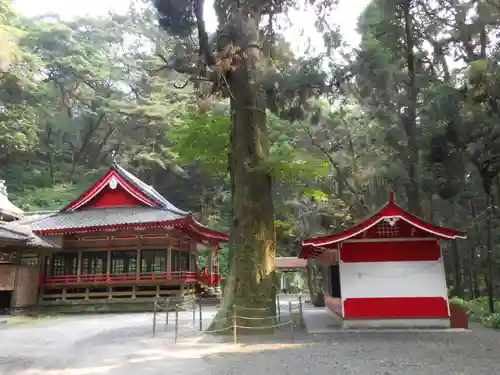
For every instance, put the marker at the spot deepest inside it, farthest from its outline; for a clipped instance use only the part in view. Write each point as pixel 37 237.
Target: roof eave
pixel 156 224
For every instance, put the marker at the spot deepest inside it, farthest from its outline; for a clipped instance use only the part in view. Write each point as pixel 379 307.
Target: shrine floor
pixel 123 344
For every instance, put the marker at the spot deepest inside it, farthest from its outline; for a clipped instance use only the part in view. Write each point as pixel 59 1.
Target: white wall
pixel 393 279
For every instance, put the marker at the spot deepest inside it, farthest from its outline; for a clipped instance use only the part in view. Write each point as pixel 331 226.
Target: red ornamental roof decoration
pixel 391 213
pixel 120 200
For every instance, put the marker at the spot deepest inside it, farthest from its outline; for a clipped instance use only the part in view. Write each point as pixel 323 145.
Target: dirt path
pixel 123 344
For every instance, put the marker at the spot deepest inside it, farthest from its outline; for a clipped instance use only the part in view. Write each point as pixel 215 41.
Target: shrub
pixel 492 320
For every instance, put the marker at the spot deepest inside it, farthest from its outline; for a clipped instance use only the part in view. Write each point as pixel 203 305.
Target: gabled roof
pixel 391 211
pixel 134 187
pixel 142 207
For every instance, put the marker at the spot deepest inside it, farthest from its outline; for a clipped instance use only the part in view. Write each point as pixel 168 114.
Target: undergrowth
pixel 478 310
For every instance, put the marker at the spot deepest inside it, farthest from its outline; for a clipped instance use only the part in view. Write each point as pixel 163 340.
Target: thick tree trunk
pixel 250 286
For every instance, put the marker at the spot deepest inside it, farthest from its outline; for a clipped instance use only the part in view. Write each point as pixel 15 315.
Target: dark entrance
pixel 335 281
pixel 5 301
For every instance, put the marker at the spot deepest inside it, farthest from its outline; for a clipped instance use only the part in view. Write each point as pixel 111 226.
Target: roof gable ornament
pixel 391 220
pixel 113 183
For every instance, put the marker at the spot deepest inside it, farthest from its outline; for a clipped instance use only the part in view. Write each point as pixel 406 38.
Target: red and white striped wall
pixel 402 279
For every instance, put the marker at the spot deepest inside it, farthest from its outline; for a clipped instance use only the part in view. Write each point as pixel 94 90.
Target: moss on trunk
pixel 250 285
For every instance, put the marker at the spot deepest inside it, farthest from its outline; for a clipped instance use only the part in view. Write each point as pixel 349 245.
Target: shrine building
pixel 122 241
pixel 387 271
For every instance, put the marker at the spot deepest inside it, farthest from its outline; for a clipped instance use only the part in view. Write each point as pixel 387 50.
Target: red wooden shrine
pixel 122 239
pixel 386 270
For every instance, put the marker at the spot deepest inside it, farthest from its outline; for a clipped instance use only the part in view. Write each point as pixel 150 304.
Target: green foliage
pixel 478 310
pixel 49 198
pixel 202 139
pixel 492 320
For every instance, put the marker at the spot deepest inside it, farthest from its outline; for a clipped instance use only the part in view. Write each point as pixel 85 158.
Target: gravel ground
pixel 123 344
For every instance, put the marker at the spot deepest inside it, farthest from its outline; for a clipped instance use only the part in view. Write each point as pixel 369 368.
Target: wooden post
pixel 169 263
pixel 235 335
pixel 292 324
pixel 79 265
pixel 301 312
pixel 138 264
pixel 201 315
pixel 108 266
pixel 176 323
pixel 15 295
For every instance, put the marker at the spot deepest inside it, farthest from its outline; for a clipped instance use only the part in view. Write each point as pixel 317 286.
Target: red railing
pixel 210 280
pixel 108 278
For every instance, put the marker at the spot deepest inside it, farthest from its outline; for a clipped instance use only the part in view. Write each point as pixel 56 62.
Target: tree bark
pixel 250 286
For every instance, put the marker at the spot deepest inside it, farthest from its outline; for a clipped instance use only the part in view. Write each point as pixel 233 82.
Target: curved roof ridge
pixel 149 190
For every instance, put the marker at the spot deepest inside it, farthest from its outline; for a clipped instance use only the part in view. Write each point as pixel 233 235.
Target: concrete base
pixel 396 323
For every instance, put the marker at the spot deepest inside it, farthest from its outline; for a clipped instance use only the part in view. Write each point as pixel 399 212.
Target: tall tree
pixel 238 62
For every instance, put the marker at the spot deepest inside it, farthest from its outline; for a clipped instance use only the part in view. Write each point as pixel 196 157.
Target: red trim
pixel 159 224
pixel 357 252
pixel 390 211
pixel 187 225
pixel 396 308
pixel 193 227
pixel 108 279
pixel 90 194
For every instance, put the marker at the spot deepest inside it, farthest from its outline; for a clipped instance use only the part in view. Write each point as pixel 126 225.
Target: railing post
pixel 201 315
pixel 292 324
pixel 235 335
pixel 176 323
pixel 167 307
pixel 278 307
pixel 301 313
pixel 194 311
pixel 154 317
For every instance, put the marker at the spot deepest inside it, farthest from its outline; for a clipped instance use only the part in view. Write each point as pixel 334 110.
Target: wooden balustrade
pixel 115 279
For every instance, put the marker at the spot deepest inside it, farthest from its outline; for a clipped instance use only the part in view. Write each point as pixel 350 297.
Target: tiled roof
pixel 7 234
pixel 14 232
pixel 148 190
pixel 101 217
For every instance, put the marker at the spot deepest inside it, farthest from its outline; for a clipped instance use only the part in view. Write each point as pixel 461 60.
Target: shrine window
pixel 94 262
pixel 192 263
pixel 184 261
pixel 176 259
pixel 64 264
pixel 153 261
pixel 123 262
pixel 180 261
